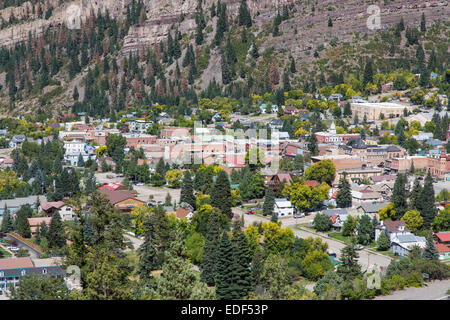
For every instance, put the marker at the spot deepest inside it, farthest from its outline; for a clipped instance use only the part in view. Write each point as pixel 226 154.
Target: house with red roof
pixel 36 222
pixel 443 244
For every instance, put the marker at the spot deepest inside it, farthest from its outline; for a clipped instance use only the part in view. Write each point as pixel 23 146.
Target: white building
pixel 283 207
pixel 76 147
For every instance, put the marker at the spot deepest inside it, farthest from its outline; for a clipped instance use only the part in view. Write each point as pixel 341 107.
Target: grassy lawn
pixel 4 253
pixel 302 225
pixel 339 236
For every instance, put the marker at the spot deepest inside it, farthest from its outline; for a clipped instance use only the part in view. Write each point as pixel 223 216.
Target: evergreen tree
pixel 274 217
pixel 423 24
pixel 399 196
pixel 269 202
pixel 224 270
pixel 364 229
pixel 330 22
pixel 425 203
pixel 414 196
pixel 208 264
pixel 347 110
pixel 148 260
pixel 7 221
pixel 344 196
pixel 22 226
pixel 221 194
pixel 187 189
pixel 80 162
pixel 349 268
pixel 292 67
pixel 168 200
pixel 244 17
pixel 430 252
pixel 368 73
pixel 241 263
pixel 313 147
pixel 56 235
pixel 383 243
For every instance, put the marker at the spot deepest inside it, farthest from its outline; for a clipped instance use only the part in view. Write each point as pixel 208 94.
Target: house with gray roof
pixel 371 208
pixel 14 204
pixel 403 244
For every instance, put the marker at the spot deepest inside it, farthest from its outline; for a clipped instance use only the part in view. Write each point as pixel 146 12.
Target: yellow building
pixel 372 111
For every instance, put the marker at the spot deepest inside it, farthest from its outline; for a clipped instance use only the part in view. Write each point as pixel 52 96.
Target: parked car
pixel 13 248
pixel 359 247
pixel 250 212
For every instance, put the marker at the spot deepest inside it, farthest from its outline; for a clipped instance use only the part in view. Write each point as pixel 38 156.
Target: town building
pixel 331 136
pixel 139 126
pixel 372 111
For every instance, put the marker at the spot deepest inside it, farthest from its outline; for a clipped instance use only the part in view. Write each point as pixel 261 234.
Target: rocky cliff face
pixel 29 21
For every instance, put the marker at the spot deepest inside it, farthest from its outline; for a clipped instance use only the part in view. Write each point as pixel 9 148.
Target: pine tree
pixel 274 217
pixel 22 226
pixel 330 22
pixel 344 196
pixel 255 53
pixel 423 24
pixel 168 200
pixel 414 196
pixel 364 229
pixel 430 252
pixel 349 268
pixel 269 202
pixel 7 221
pixel 313 147
pixel 399 196
pixel 80 162
pixel 368 73
pixel 224 270
pixel 148 260
pixel 208 264
pixel 56 235
pixel 221 194
pixel 241 264
pixel 425 203
pixel 187 189
pixel 244 17
pixel 292 67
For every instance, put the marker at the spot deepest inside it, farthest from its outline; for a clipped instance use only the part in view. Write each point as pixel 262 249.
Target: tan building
pixel 373 110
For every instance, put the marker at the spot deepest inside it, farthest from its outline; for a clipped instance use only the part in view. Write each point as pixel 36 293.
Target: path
pixel 434 290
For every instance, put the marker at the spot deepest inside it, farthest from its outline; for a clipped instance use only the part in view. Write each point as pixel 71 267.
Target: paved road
pixel 135 241
pixel 366 258
pixel 434 290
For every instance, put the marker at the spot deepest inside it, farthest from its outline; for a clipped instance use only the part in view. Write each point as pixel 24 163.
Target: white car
pixel 13 248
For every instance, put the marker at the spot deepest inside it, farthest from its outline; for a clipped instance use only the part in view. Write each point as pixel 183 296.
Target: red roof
pixel 49 205
pixel 335 194
pixel 111 186
pixel 443 236
pixel 311 183
pixel 333 218
pixel 441 248
pixel 13 263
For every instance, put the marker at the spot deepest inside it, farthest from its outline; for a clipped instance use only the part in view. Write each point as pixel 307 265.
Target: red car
pixel 250 212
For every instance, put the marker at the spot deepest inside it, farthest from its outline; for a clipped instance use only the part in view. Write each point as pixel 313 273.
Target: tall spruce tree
pixel 187 189
pixel 148 260
pixel 425 203
pixel 221 194
pixel 430 252
pixel 349 269
pixel 269 202
pixel 56 236
pixel 224 270
pixel 208 264
pixel 241 263
pixel 414 196
pixel 7 221
pixel 399 196
pixel 344 196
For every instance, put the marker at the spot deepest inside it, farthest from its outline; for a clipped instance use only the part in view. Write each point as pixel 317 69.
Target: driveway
pixel 366 258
